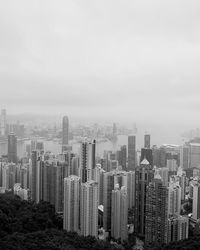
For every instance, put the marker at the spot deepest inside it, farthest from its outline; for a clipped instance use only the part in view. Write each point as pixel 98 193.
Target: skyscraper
pixel 97 175
pixel 12 148
pixel 194 155
pixel 65 132
pixel 60 174
pixel 132 162
pixel 89 208
pixel 196 201
pixel 143 176
pixel 177 228
pixel 146 153
pixel 174 199
pixel 87 160
pixel 110 180
pixel 156 212
pixel 3 122
pixel 122 157
pixel 34 162
pixel 119 216
pixel 71 213
pixel 184 157
pixel 131 188
pixel 147 141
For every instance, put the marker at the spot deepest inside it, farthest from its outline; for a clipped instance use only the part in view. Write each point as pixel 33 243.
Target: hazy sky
pixel 128 60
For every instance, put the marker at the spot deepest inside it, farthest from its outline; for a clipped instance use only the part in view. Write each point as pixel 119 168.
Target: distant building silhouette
pixel 12 148
pixel 132 162
pixel 3 122
pixel 65 132
pixel 147 141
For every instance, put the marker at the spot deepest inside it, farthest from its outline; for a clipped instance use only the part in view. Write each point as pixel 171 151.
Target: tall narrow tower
pixel 87 160
pixel 89 208
pixel 65 132
pixel 143 175
pixel 119 216
pixel 147 141
pixel 132 153
pixel 3 122
pixel 156 212
pixel 71 220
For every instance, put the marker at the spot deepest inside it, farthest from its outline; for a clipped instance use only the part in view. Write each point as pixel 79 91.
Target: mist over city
pixel 99 124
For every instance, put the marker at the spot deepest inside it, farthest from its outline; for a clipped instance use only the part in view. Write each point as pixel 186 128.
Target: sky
pixel 124 60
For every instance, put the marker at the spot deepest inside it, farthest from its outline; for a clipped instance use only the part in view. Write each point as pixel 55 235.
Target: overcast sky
pixel 130 59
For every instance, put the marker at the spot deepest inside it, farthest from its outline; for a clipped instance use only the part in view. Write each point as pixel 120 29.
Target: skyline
pixel 136 61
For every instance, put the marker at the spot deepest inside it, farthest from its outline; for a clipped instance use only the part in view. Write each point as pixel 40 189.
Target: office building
pixel 194 155
pixel 71 220
pixel 143 176
pixel 89 208
pixel 147 141
pixel 146 153
pixel 184 157
pixel 132 159
pixel 156 212
pixel 65 132
pixel 12 148
pixel 122 157
pixel 119 216
pixel 3 122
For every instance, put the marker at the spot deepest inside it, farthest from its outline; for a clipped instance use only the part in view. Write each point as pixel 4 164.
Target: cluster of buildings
pixel 97 194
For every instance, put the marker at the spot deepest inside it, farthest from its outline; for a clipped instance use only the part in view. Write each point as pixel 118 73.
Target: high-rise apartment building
pixel 110 180
pixel 34 163
pixel 164 172
pixel 196 201
pixel 87 160
pixel 119 216
pixel 174 198
pixel 131 188
pixel 60 175
pixel 178 227
pixel 71 221
pixel 156 212
pixel 97 175
pixel 132 159
pixel 12 148
pixel 89 208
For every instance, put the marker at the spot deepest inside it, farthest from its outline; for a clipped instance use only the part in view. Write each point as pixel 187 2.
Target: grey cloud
pixel 107 57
